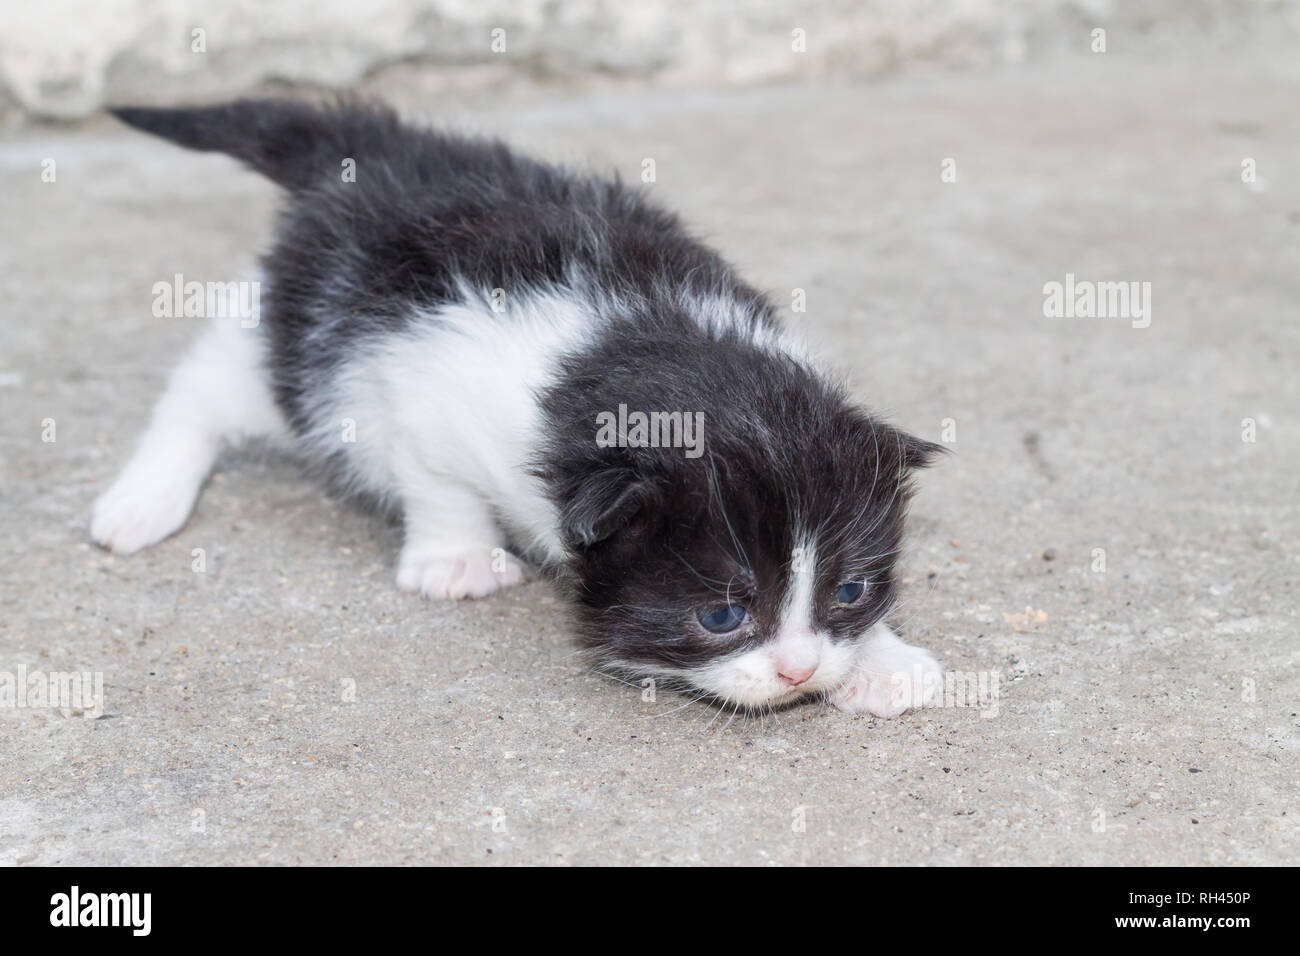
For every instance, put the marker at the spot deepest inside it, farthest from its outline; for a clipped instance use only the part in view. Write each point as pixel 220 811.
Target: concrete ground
pixel 1103 540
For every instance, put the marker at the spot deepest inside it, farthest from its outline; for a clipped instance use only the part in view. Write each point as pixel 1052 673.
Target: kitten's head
pixel 749 572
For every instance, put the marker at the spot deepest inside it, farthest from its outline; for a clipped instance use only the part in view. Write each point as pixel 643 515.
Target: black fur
pixel 426 211
pixel 653 536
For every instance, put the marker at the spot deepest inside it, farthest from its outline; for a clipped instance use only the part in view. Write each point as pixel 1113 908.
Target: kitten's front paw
pixel 470 574
pixel 891 680
pixel 134 514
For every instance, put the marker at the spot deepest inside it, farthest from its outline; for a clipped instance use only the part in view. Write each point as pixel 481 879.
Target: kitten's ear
pixel 917 452
pixel 604 503
pixel 908 450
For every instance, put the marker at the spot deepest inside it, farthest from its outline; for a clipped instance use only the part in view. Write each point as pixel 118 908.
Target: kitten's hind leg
pixel 453 548
pixel 219 393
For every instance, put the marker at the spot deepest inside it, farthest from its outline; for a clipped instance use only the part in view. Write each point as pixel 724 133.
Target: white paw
pixel 889 680
pixel 469 574
pixel 134 514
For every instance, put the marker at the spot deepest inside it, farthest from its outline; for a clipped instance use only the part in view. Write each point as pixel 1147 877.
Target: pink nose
pixel 794 676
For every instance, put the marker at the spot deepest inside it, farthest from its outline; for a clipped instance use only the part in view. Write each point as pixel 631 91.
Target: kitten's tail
pixel 291 143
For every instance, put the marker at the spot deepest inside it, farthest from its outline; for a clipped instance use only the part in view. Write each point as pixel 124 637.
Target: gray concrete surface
pixel 64 59
pixel 1148 712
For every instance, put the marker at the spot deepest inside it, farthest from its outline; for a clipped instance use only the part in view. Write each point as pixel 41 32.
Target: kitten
pixel 540 367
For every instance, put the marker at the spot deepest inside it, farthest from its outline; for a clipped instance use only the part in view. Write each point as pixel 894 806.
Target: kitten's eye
pixel 720 620
pixel 849 591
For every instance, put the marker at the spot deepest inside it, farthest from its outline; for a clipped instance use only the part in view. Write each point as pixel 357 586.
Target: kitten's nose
pixel 794 676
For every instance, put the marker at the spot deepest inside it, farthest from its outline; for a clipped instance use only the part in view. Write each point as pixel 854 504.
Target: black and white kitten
pixel 467 336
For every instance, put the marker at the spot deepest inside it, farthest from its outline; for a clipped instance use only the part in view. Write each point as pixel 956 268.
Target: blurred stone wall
pixel 63 59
